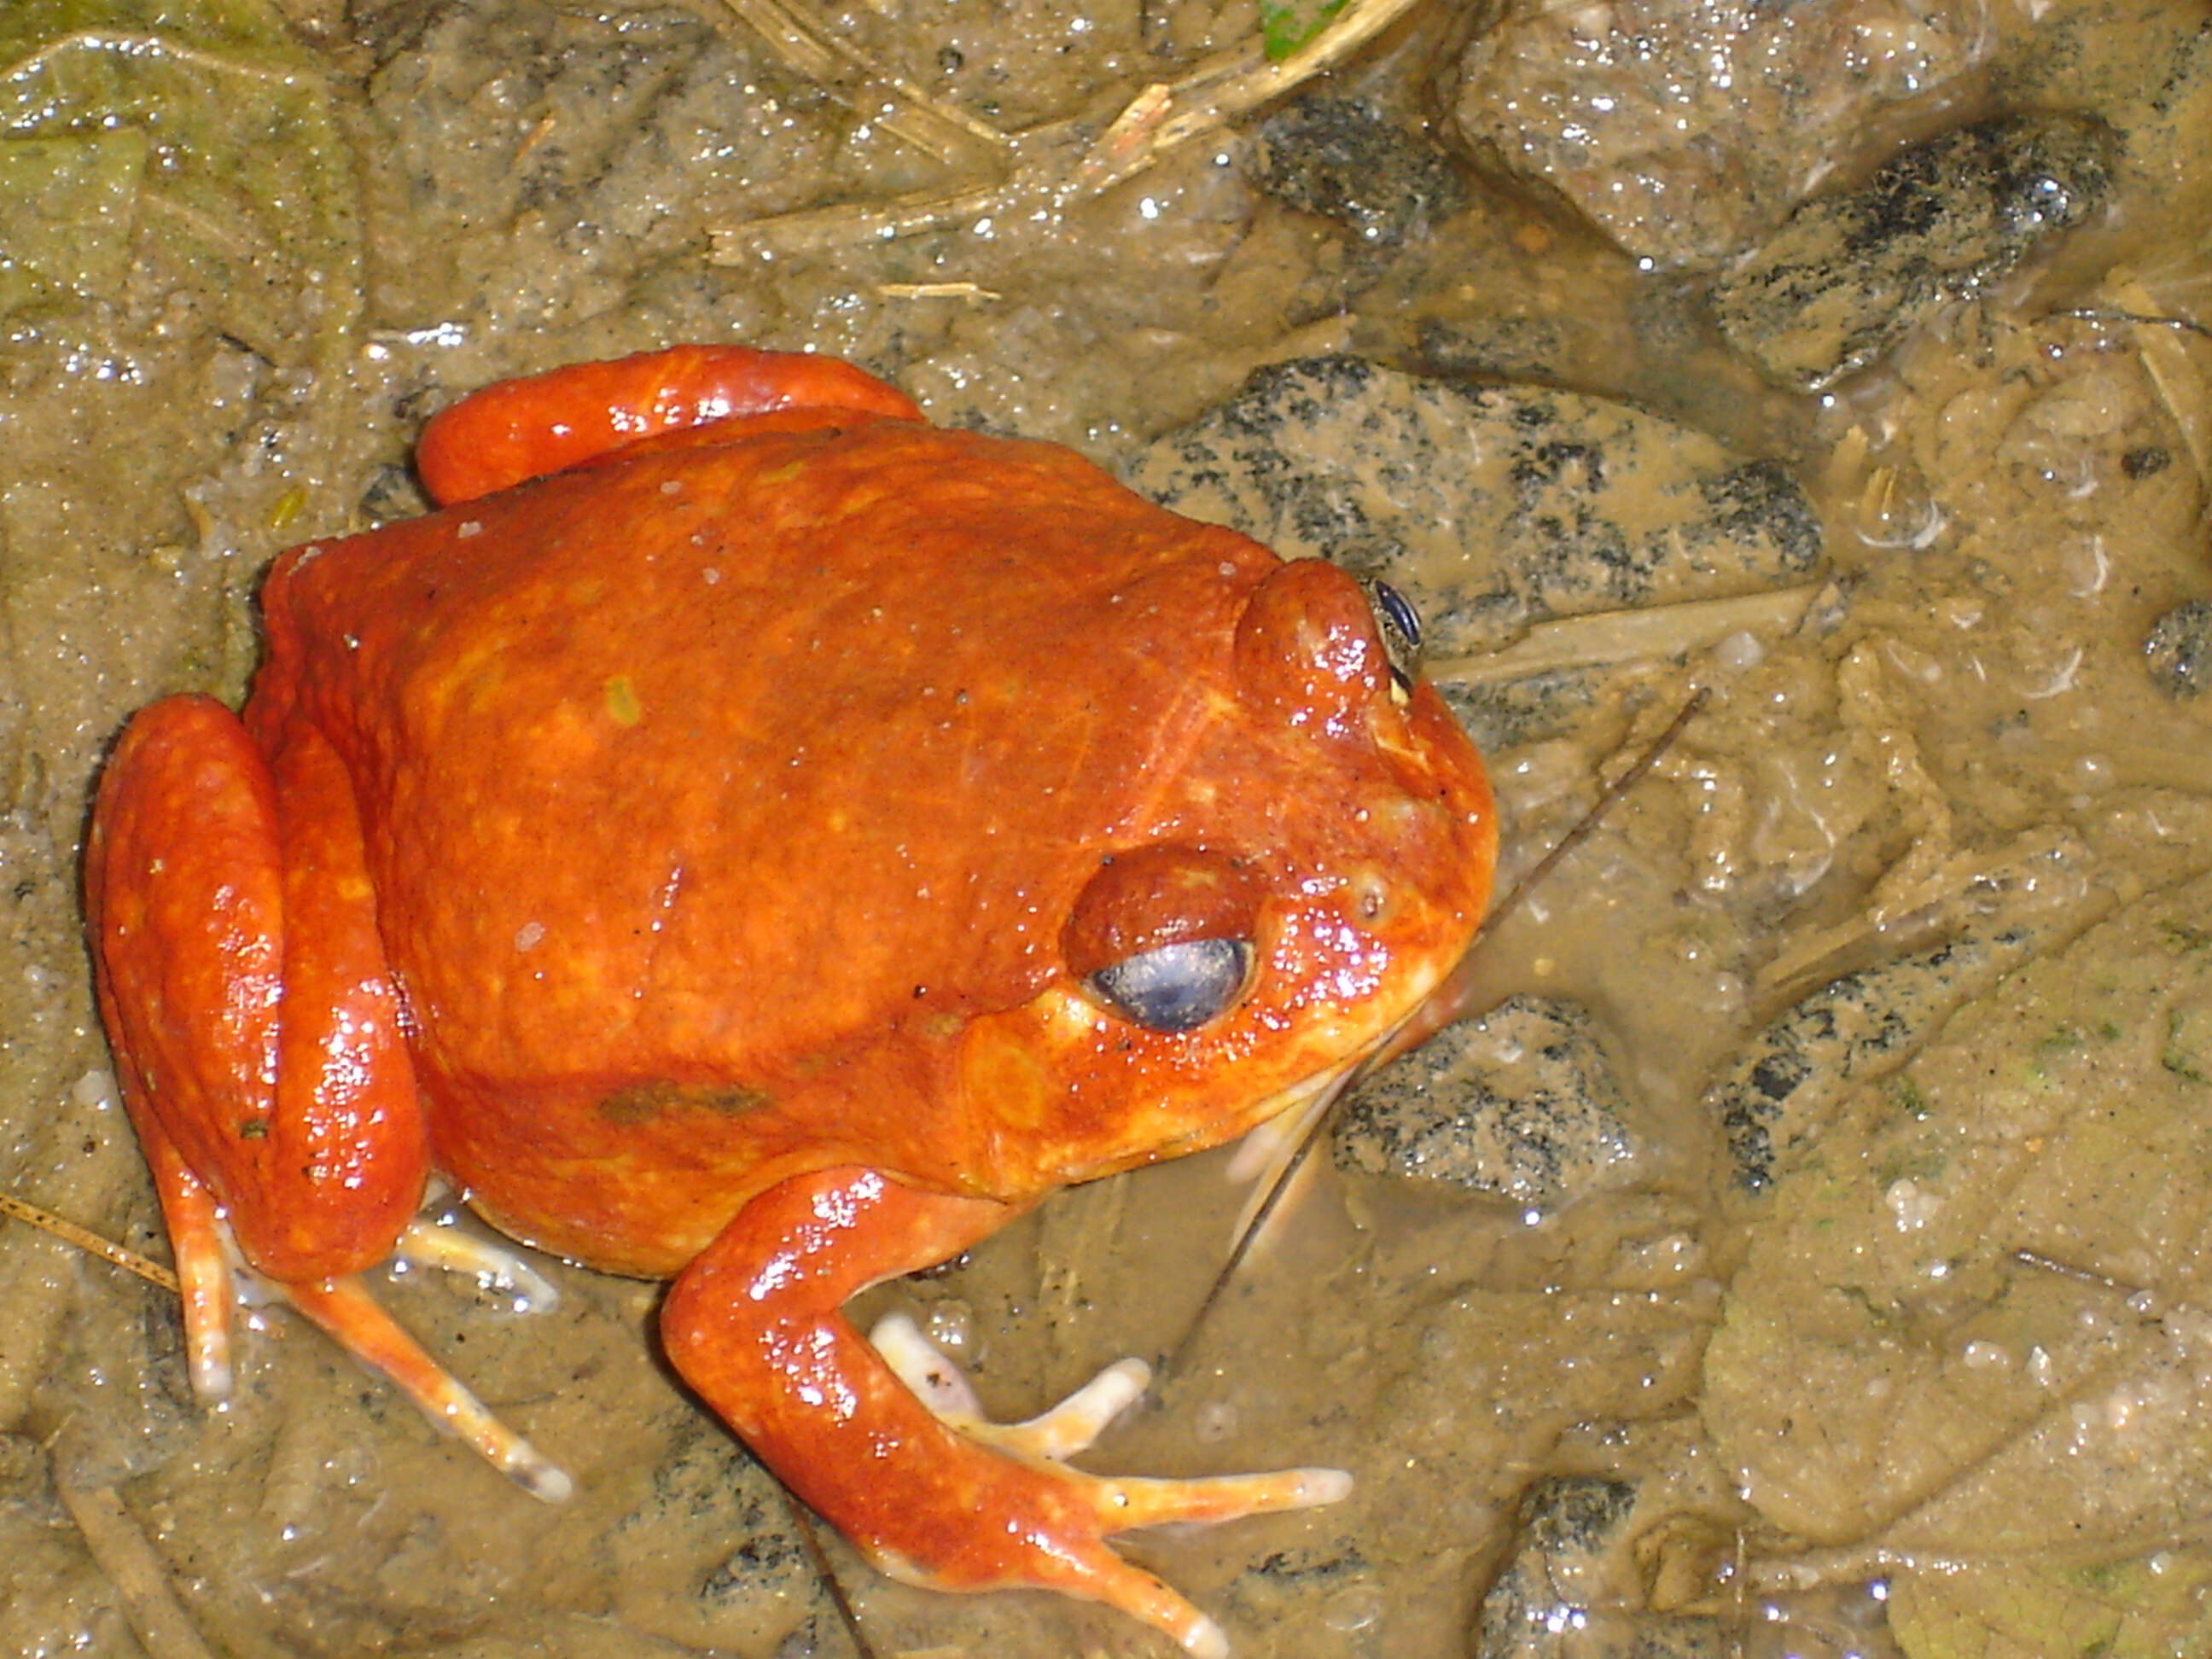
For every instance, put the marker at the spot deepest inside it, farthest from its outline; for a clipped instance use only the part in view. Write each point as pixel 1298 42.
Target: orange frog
pixel 753 837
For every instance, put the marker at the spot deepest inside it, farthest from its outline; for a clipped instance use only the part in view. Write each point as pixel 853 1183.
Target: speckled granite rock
pixel 1501 715
pixel 1850 274
pixel 1344 160
pixel 1560 1592
pixel 1777 1094
pixel 2179 649
pixel 1492 507
pixel 1686 129
pixel 739 1562
pixel 1519 1102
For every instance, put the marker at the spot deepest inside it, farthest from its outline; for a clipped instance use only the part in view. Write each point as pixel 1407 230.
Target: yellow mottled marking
pixel 623 705
pixel 288 507
pixel 1005 1078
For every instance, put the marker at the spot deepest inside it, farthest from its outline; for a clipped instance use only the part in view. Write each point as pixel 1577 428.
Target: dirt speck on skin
pixel 1886 1330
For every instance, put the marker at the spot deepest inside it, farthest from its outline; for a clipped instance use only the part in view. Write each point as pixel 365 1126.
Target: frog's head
pixel 1288 895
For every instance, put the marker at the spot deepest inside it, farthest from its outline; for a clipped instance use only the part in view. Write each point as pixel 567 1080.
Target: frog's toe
pixel 1142 1596
pixel 207 1267
pixel 1085 1567
pixel 344 1307
pixel 1053 1436
pixel 1070 1427
pixel 1137 1501
pixel 496 1266
pixel 927 1369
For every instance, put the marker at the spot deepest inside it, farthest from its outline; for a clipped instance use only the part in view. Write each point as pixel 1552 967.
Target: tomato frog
pixel 752 837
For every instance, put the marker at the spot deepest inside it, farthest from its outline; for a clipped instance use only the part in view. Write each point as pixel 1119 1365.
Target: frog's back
pixel 714 755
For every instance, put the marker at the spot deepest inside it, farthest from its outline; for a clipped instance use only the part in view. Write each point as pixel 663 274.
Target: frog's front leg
pixel 256 1032
pixel 753 1324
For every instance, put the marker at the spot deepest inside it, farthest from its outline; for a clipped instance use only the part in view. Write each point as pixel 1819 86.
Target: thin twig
pixel 2108 314
pixel 1065 161
pixel 2140 1299
pixel 825 1575
pixel 152 1272
pixel 1241 1250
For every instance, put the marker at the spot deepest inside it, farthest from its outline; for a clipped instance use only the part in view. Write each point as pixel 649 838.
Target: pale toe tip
pixel 1203 1639
pixel 212 1378
pixel 541 1478
pixel 1319 1486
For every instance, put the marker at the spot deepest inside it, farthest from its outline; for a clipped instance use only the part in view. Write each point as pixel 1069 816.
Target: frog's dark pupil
pixel 1400 625
pixel 1176 988
pixel 1400 609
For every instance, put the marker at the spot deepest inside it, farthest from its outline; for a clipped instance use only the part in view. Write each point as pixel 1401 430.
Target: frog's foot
pixel 212 1280
pixel 1063 1429
pixel 427 1243
pixel 1053 1436
pixel 1060 1431
pixel 344 1307
pixel 900 1459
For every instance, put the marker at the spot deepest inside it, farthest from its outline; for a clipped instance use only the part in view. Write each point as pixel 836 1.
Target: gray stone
pixel 1519 1103
pixel 1501 715
pixel 1346 162
pixel 1684 130
pixel 1851 274
pixel 1491 506
pixel 1785 1085
pixel 1563 1590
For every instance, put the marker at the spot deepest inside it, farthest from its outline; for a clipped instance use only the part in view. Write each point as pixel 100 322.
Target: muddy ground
pixel 1806 1249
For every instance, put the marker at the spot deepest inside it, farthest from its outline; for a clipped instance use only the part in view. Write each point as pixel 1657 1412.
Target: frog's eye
pixel 1177 987
pixel 1163 934
pixel 1400 624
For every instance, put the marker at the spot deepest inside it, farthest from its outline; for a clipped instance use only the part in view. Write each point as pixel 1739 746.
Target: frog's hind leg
pixel 517 429
pixel 242 982
pixel 256 1032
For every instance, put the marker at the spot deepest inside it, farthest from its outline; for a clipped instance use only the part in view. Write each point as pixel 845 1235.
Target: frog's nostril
pixel 1372 897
